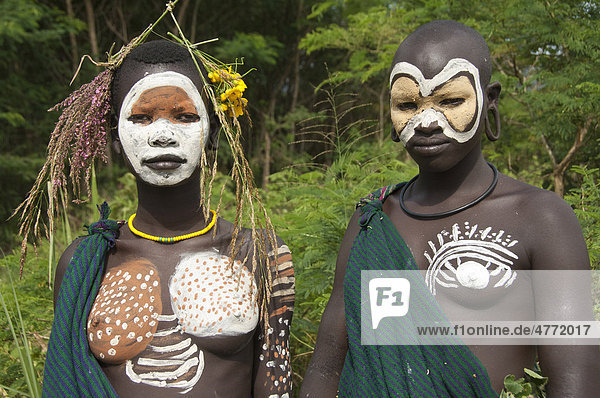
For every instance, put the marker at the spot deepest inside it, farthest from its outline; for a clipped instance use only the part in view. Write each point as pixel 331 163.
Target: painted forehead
pixel 426 86
pixel 165 98
pixel 162 79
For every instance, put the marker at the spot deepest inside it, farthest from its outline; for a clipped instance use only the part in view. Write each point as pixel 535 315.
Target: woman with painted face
pixel 184 304
pixel 479 237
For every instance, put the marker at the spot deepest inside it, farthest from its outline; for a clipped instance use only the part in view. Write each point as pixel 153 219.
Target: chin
pixel 164 178
pixel 163 181
pixel 435 164
pixel 442 158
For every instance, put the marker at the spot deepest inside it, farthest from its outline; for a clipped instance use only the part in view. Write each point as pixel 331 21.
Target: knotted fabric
pixel 71 369
pixel 400 371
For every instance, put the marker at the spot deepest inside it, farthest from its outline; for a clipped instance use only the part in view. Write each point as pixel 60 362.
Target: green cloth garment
pixel 71 369
pixel 399 371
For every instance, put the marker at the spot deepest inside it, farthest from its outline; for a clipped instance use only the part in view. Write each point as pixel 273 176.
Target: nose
pixel 162 138
pixel 429 123
pixel 429 128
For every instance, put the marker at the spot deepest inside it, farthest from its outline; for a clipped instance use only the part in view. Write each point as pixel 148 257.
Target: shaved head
pixel 440 81
pixel 149 58
pixel 432 45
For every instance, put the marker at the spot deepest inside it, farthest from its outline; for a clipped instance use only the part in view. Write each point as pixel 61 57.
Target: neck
pixel 467 179
pixel 167 210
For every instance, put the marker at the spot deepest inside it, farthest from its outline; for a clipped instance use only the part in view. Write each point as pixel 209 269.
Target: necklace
pixel 173 239
pixel 448 212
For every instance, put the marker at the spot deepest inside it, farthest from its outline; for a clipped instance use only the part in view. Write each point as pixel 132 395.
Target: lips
pixel 428 146
pixel 164 162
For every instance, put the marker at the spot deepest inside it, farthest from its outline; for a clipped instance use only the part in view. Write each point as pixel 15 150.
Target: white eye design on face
pixel 407 115
pixel 163 128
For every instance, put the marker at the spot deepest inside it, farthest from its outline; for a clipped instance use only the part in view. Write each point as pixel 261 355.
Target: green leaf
pixel 320 8
pixel 513 386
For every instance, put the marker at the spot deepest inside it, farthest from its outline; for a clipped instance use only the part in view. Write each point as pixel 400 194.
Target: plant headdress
pixel 80 138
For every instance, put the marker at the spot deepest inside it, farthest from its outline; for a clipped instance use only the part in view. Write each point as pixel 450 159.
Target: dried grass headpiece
pixel 80 137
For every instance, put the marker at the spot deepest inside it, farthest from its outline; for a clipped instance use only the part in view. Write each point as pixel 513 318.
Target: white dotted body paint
pixel 211 296
pixel 116 330
pixel 186 140
pixel 427 87
pixel 474 258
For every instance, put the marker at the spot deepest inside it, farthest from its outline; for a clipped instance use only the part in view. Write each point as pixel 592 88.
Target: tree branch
pixel 90 17
pixel 581 133
pixel 549 150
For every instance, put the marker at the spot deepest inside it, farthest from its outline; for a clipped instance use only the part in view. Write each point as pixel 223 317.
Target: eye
pixel 407 106
pixel 187 118
pixel 140 119
pixel 452 102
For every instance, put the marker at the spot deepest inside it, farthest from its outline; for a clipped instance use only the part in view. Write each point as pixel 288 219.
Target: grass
pixel 25 322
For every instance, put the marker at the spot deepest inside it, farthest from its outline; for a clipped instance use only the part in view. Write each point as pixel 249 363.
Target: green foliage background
pixel 319 98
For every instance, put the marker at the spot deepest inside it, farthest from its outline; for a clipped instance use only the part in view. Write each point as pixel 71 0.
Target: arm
pixel 63 264
pixel 272 368
pixel 559 245
pixel 323 374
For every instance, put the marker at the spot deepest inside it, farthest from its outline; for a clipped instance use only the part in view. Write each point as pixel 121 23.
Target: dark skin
pixel 233 364
pixel 548 233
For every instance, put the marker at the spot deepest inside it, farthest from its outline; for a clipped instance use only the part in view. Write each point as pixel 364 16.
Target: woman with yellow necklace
pixel 184 304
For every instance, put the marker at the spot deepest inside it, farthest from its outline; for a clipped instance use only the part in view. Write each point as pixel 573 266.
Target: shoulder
pixel 380 194
pixel 63 264
pixel 538 206
pixel 270 247
pixel 551 231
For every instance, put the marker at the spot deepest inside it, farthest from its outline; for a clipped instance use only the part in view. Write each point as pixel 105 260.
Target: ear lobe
pixel 116 143
pixel 493 94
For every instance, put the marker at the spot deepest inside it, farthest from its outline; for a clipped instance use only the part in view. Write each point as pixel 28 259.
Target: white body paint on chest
pixel 180 366
pixel 187 140
pixel 474 258
pixel 427 86
pixel 211 296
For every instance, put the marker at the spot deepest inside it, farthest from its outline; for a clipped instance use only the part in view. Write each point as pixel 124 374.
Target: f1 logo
pixel 389 298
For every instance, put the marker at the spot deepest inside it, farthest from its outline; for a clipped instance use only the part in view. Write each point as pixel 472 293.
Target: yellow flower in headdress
pixel 237 108
pixel 231 87
pixel 241 86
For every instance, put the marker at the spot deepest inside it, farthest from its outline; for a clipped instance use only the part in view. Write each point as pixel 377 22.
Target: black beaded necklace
pixel 448 212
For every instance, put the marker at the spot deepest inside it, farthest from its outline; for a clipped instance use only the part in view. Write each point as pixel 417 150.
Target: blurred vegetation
pixel 319 102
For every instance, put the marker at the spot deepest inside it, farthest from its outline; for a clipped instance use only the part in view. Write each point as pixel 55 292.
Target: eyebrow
pixel 182 108
pixel 146 106
pixel 452 80
pixel 454 67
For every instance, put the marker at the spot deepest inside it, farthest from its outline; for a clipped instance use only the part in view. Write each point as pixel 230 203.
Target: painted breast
pixel 213 295
pixel 125 313
pixel 471 257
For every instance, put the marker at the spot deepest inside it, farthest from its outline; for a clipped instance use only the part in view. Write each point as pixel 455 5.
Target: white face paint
pixel 163 152
pixel 405 121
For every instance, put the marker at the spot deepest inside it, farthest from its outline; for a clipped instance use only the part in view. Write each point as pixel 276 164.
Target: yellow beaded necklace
pixel 173 239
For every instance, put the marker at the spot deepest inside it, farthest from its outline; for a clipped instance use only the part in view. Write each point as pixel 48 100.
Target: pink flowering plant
pixel 79 138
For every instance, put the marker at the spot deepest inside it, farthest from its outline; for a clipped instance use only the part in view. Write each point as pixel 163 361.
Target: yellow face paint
pixel 453 99
pixel 456 99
